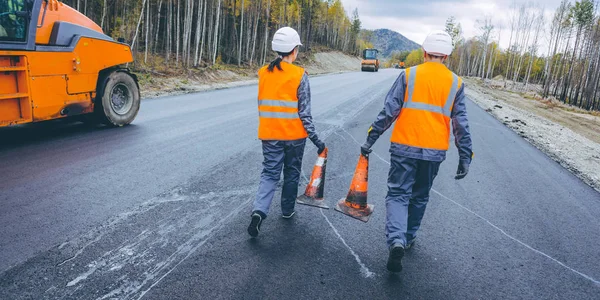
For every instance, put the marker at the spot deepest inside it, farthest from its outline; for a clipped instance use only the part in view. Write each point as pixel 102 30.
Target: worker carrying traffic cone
pixel 355 204
pixel 285 121
pixel 423 102
pixel 316 187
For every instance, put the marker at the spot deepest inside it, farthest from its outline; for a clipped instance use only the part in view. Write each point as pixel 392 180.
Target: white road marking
pixel 519 241
pixel 504 232
pixel 363 268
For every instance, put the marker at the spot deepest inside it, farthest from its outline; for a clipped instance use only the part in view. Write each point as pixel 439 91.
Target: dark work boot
pixel 254 227
pixel 394 263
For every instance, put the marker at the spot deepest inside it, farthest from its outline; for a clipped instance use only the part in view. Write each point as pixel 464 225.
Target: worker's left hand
pixel 463 170
pixel 365 150
pixel 320 147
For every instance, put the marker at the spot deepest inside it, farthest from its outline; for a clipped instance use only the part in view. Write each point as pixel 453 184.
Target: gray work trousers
pixel 409 183
pixel 278 155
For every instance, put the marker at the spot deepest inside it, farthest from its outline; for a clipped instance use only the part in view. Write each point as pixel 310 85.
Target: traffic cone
pixel 355 204
pixel 314 191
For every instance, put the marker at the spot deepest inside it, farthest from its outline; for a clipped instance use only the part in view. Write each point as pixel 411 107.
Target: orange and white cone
pixel 316 187
pixel 355 204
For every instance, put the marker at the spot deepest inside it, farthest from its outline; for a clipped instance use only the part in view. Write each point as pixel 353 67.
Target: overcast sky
pixel 414 18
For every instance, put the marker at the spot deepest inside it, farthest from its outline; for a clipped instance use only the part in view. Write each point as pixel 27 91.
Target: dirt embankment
pixel 155 85
pixel 570 137
pixel 332 62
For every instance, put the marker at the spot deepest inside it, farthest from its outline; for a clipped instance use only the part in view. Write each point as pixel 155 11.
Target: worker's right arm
pixel 391 110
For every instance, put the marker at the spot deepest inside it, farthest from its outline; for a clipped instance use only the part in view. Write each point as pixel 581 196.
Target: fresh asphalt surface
pixel 159 210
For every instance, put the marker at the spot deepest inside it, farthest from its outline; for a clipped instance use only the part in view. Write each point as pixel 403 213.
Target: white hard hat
pixel 285 40
pixel 438 43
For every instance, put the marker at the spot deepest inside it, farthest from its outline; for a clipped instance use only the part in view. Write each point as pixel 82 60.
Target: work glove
pixel 463 170
pixel 365 150
pixel 320 146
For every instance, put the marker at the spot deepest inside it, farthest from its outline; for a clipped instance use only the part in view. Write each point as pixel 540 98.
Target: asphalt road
pixel 159 209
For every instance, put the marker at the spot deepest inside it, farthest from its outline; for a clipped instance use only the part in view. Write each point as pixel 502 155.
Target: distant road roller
pixel 370 61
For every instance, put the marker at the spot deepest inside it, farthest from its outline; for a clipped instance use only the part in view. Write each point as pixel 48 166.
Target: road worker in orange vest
pixel 423 102
pixel 285 121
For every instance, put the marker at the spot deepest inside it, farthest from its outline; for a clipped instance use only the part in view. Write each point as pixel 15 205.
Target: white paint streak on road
pixel 91 269
pixel 80 251
pixel 193 249
pixel 363 268
pixel 166 234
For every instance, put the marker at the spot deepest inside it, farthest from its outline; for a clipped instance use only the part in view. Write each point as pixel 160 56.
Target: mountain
pixel 388 41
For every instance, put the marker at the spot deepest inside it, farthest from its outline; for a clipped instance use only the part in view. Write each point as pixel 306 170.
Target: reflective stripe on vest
pixel 265 105
pixel 278 104
pixel 424 121
pixel 446 110
pixel 277 115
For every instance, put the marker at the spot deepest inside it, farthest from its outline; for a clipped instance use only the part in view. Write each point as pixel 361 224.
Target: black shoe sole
pixel 254 228
pixel 394 263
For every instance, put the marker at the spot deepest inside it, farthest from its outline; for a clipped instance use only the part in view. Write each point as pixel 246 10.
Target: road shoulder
pixel 573 144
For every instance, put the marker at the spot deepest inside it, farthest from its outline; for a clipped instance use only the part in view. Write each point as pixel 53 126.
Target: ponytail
pixel 275 63
pixel 278 60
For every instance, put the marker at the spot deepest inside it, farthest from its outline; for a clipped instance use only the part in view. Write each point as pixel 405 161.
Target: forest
pixel 559 54
pixel 203 33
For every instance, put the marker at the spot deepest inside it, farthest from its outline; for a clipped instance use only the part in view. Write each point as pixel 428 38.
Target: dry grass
pixel 549 104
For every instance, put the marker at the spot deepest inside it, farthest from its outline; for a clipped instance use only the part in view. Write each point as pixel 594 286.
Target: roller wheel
pixel 118 99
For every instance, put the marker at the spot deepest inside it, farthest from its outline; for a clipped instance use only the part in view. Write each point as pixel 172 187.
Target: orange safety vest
pixel 424 120
pixel 278 104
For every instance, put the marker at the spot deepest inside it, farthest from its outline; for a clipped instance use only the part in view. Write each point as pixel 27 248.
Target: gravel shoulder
pixel 229 76
pixel 571 138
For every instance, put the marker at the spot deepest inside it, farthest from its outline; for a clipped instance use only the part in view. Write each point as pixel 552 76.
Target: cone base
pixel 305 200
pixel 359 214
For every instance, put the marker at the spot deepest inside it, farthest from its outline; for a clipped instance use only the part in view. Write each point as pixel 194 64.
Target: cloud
pixel 415 19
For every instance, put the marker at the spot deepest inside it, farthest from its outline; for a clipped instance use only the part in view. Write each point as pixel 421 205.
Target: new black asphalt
pixel 159 209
